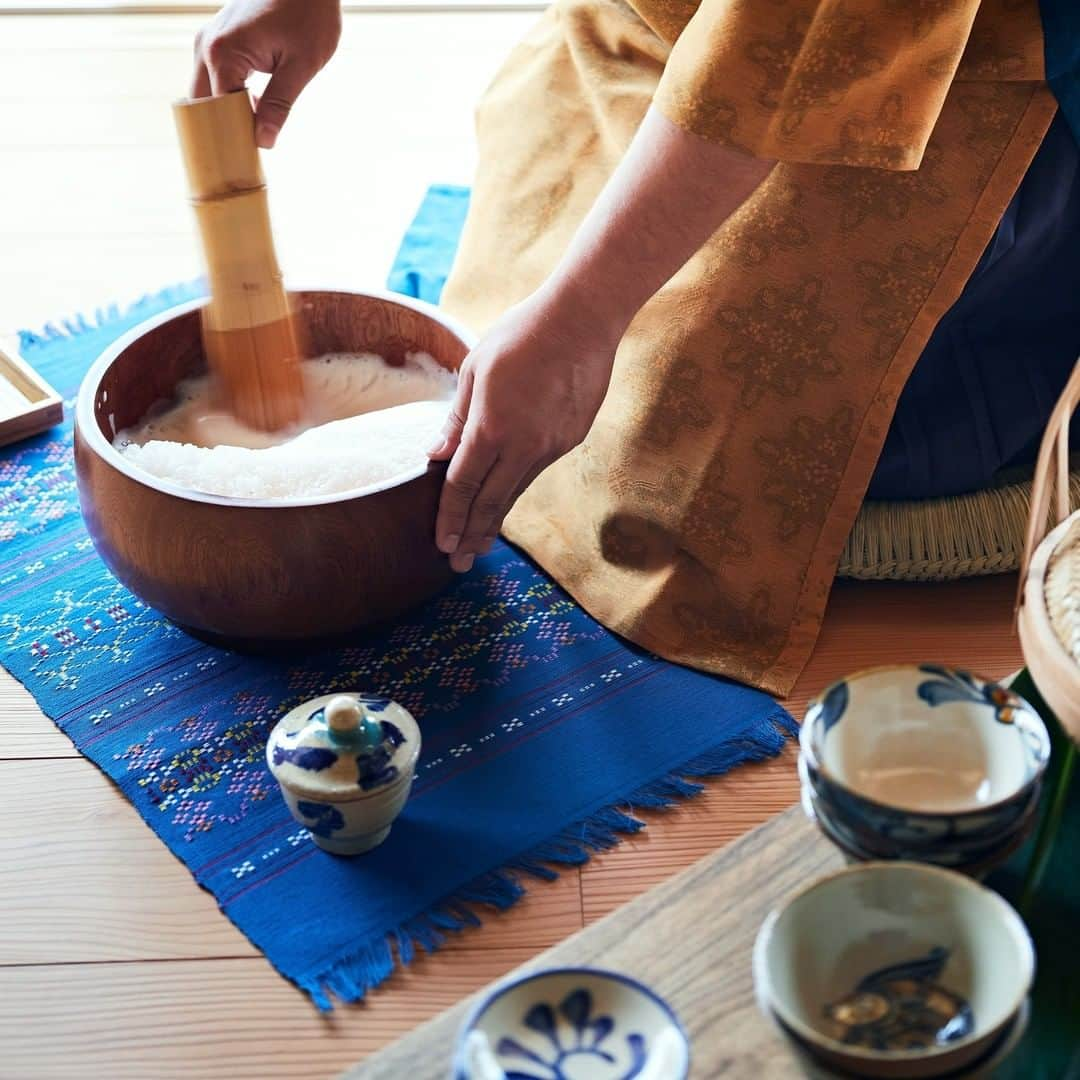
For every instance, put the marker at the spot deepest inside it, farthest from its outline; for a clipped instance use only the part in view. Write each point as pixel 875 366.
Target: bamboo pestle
pixel 249 333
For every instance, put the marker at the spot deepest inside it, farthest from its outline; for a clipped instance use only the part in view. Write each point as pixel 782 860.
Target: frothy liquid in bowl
pixel 365 423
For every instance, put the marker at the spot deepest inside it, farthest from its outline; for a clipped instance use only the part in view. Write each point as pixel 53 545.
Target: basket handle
pixel 1053 451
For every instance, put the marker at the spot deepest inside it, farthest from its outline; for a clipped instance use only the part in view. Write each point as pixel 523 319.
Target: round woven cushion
pixel 941 539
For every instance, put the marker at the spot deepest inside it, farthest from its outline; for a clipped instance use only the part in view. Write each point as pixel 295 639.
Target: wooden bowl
pixel 248 572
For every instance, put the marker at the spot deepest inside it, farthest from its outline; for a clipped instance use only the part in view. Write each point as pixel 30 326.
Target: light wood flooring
pixel 113 963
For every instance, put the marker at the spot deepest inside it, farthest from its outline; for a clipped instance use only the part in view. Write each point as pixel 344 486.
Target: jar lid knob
pixel 344 715
pixel 349 722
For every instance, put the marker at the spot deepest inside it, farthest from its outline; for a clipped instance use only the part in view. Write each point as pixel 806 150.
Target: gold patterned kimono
pixel 704 515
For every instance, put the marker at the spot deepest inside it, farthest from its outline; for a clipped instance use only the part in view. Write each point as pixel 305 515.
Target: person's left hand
pixel 527 394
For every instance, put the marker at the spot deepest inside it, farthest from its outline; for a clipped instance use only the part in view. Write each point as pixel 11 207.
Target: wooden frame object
pixel 28 404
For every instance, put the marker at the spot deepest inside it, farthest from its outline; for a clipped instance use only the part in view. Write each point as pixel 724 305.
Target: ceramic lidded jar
pixel 345 764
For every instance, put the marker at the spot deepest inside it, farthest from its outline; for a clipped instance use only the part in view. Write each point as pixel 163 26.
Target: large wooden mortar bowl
pixel 246 572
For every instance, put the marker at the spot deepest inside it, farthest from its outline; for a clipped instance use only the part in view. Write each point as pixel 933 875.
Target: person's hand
pixel 527 394
pixel 291 40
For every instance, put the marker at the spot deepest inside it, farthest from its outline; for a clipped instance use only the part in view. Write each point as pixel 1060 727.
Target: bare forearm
pixel 669 194
pixel 530 391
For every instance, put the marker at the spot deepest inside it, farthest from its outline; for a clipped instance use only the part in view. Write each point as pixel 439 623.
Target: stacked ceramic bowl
pixel 896 970
pixel 923 763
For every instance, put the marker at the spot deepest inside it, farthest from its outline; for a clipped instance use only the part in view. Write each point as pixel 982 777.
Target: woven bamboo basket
pixel 1048 612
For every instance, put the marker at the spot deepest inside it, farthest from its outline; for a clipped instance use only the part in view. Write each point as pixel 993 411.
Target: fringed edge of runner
pixel 351 977
pixel 144 307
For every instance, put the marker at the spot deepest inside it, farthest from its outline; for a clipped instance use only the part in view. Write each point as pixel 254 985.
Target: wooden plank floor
pixel 113 963
pixel 102 927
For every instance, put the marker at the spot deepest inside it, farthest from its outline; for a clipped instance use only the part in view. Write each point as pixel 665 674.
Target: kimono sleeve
pixel 850 82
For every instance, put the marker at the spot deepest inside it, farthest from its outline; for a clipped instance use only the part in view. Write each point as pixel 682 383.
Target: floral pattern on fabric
pixel 762 378
pixel 779 342
pixel 820 80
pixel 679 406
pixel 921 16
pixel 713 521
pixel 907 275
pixel 870 195
pixel 808 459
pixel 735 627
pixel 812 63
pixel 768 226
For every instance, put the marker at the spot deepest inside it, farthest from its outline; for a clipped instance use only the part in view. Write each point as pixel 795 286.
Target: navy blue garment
pixel 977 403
pixel 1061 45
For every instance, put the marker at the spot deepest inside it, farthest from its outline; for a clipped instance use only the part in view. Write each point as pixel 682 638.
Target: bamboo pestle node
pixel 249 333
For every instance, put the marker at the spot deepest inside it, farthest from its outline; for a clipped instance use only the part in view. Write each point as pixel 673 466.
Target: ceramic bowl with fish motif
pixel 894 969
pixel 574 1024
pixel 924 761
pixel 345 765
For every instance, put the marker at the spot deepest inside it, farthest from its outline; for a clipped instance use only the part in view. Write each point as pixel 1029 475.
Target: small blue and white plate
pixel 573 1024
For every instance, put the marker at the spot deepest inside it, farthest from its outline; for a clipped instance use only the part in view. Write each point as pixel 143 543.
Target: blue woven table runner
pixel 542 731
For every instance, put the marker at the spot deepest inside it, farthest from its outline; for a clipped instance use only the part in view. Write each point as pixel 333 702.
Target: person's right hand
pixel 291 40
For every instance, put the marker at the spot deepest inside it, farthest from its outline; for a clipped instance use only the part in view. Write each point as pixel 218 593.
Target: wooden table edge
pixel 434 1040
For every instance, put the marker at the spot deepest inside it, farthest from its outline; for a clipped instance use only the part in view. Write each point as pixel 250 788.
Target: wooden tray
pixel 28 404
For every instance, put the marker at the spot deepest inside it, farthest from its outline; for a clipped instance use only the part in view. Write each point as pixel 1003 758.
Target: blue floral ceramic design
pixel 327 819
pixel 312 758
pixel 373 704
pixel 949 686
pixel 373 769
pixel 575 1024
pixel 834 704
pixel 965 837
pixel 591 1034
